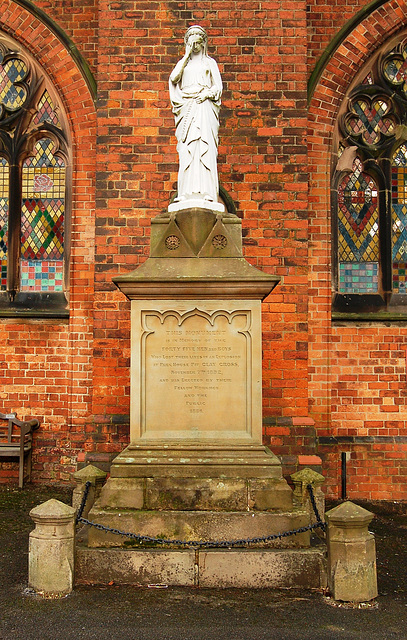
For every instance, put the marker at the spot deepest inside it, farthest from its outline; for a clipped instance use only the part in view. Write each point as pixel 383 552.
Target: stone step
pixel 195 460
pixel 200 494
pixel 198 525
pixel 199 476
pixel 244 568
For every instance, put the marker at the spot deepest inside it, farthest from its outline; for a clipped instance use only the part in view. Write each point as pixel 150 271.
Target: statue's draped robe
pixel 197 126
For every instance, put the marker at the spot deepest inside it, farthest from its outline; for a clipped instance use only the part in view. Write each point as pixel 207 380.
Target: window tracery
pixel 370 188
pixel 33 183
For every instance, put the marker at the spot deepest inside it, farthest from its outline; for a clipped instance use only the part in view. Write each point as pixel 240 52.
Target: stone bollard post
pixel 351 554
pixel 51 549
pixel 87 474
pixel 301 497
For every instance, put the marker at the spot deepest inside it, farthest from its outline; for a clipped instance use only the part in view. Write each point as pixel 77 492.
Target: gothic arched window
pixel 369 194
pixel 34 173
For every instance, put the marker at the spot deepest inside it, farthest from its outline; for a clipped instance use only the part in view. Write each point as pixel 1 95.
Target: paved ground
pixel 130 613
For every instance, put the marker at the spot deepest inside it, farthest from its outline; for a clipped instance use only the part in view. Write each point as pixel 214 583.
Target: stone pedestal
pixel 200 476
pixel 196 411
pixel 196 468
pixel 96 477
pixel 51 549
pixel 301 497
pixel 351 554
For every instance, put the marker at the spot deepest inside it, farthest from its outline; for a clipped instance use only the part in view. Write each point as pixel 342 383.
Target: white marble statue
pixel 195 92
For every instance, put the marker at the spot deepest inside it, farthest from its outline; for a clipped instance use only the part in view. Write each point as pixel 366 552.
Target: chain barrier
pixel 83 502
pixel 200 544
pixel 322 525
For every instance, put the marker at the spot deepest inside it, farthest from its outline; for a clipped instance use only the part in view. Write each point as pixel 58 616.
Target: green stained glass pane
pixel 358 277
pixel 41 275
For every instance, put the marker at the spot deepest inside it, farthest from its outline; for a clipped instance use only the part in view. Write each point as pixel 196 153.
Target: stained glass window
pixel 42 220
pixel 33 182
pixel 368 79
pixel 370 266
pixel 46 111
pixel 370 119
pixel 395 68
pixel 358 236
pixel 12 95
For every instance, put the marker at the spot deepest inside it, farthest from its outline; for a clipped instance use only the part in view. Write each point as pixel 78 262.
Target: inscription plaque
pixel 193 371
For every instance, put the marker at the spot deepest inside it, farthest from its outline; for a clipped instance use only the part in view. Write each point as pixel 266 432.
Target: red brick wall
pixel 46 364
pixel 262 163
pixel 325 18
pixel 357 371
pixel 327 387
pixel 79 20
pixel 369 403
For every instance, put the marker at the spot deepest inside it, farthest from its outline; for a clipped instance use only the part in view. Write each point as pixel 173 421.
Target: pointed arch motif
pixel 359 102
pixel 34 146
pixel 58 101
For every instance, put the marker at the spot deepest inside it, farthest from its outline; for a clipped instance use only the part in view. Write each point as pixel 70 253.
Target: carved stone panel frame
pixel 196 371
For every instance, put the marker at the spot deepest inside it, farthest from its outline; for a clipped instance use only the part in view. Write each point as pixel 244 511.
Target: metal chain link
pixel 199 544
pixel 322 525
pixel 83 501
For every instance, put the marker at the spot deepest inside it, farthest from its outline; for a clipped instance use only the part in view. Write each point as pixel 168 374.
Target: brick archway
pixel 55 58
pixel 336 362
pixel 61 368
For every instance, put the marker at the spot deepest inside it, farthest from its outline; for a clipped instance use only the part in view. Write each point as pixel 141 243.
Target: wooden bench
pixel 16 441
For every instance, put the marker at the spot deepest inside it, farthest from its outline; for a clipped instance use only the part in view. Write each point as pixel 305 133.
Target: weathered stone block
pixel 198 525
pixel 220 568
pixel 125 493
pixel 196 459
pixel 351 554
pixel 261 568
pixel 133 566
pixel 87 474
pixel 269 494
pixel 51 549
pixel 196 493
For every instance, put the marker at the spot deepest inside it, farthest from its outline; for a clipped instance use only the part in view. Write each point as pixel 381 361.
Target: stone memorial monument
pixel 196 467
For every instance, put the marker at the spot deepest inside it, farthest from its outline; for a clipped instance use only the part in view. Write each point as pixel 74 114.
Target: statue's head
pixel 198 37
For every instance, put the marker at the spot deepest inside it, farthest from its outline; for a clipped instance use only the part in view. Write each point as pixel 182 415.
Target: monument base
pixel 209 568
pixel 196 201
pixel 196 469
pixel 197 476
pixel 197 525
